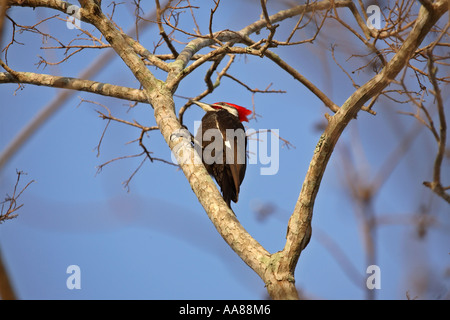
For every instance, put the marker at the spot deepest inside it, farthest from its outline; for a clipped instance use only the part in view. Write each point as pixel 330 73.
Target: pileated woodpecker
pixel 223 145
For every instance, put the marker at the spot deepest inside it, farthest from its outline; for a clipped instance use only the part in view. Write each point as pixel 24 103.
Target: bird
pixel 222 141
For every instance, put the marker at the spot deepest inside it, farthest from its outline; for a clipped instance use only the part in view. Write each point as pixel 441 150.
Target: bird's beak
pixel 204 106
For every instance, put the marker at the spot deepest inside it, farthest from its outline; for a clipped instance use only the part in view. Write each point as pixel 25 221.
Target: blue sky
pixel 155 241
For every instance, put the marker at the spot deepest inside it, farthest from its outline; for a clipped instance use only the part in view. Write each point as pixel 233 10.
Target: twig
pixel 209 85
pixel 162 32
pixel 286 142
pixel 256 89
pixel 12 200
pixel 293 72
pixel 54 105
pixel 211 17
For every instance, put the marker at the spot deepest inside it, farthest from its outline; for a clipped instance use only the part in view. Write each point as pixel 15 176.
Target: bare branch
pixel 62 96
pixel 104 89
pixel 299 227
pixel 256 90
pixel 211 17
pixel 436 185
pixel 427 4
pixel 13 206
pixel 162 32
pixel 209 85
pixel 178 71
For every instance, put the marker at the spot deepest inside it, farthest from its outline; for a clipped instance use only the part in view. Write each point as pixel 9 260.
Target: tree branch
pixel 299 226
pixel 96 65
pixel 197 44
pixel 104 89
pixel 436 185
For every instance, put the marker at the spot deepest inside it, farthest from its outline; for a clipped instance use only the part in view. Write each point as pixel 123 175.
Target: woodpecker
pixel 222 141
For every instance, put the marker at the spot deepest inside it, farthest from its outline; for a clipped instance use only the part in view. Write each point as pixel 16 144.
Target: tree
pixel 385 57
